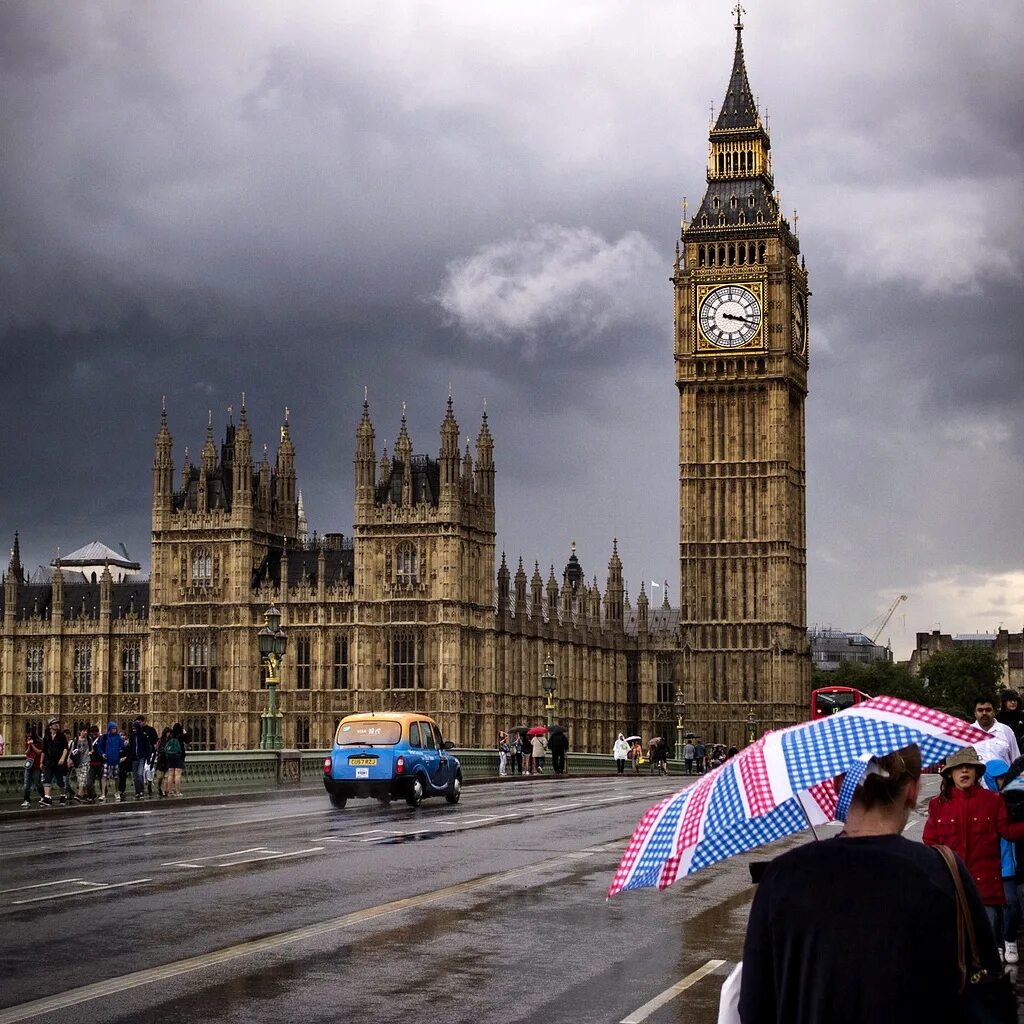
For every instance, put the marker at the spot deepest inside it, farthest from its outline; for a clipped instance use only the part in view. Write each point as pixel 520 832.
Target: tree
pixel 954 678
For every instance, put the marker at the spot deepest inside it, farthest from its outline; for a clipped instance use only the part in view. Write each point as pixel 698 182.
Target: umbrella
pixel 777 786
pixel 520 729
pixel 690 736
pixel 537 730
pixel 634 739
pixel 556 728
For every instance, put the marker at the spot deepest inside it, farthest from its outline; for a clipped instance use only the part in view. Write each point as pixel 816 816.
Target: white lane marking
pixel 94 887
pixel 276 856
pixel 910 825
pixel 641 1014
pixel 215 856
pixel 40 885
pixel 149 976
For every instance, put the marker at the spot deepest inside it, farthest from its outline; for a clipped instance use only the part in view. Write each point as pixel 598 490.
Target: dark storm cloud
pixel 298 202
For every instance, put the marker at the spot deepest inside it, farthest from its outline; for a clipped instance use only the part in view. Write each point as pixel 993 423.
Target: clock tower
pixel 741 368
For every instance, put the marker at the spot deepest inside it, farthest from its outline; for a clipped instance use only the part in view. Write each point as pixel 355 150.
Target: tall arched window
pixel 405 660
pixel 202 568
pixel 81 671
pixel 406 564
pixel 200 662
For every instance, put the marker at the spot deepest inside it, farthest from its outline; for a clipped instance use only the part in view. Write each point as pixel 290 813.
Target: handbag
pixel 986 998
pixel 729 997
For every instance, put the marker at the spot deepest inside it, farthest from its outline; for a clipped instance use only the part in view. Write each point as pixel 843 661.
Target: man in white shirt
pixel 1002 744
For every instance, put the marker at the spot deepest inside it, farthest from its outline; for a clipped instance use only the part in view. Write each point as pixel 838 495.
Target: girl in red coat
pixel 970 819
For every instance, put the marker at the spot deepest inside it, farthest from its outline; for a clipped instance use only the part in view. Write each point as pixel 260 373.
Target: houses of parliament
pixel 415 610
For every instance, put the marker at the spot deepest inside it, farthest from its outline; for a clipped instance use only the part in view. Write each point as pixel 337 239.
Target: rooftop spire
pixel 738 109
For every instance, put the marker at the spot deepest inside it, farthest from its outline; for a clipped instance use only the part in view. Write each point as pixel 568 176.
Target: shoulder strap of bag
pixel 965 924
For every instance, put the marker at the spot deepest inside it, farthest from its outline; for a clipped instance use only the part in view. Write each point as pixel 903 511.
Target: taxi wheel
pixel 415 797
pixel 339 801
pixel 453 794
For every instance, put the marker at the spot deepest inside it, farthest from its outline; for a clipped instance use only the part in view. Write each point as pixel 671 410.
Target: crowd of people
pixel 812 938
pixel 525 751
pixel 92 765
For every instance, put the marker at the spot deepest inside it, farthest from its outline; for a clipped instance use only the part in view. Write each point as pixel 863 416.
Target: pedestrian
pixel 700 753
pixel 55 757
pixel 95 763
pixel 515 741
pixel 110 745
pixel 538 749
pixel 3 745
pixel 688 754
pixel 78 764
pixel 969 819
pixel 174 752
pixel 503 752
pixel 661 757
pixel 527 754
pixel 140 750
pixel 1002 743
pixel 33 766
pixel 1010 714
pixel 558 744
pixel 153 738
pixel 124 765
pixel 863 926
pixel 161 761
pixel 620 751
pixel 636 755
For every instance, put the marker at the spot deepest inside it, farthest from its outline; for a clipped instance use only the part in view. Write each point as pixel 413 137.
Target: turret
pixel 14 579
pixel 303 524
pixel 485 464
pixel 520 585
pixel 163 467
pixel 642 606
pixel 241 463
pixel 552 605
pixel 467 473
pixel 263 496
pixel 286 487
pixel 106 592
pixel 366 458
pixel 537 592
pixel 614 595
pixel 186 471
pixel 503 586
pixel 403 454
pixel 449 456
pixel 208 466
pixel 57 593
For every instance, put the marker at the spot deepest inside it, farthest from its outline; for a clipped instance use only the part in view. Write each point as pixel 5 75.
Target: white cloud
pixel 565 285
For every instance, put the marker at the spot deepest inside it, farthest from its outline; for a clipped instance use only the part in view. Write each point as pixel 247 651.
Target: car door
pixel 441 778
pixel 429 754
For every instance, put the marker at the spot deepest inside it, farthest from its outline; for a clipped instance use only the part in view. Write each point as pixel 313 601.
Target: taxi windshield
pixel 380 733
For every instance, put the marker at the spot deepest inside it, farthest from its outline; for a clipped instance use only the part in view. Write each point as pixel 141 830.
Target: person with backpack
pixel 161 761
pixel 110 745
pixel 174 752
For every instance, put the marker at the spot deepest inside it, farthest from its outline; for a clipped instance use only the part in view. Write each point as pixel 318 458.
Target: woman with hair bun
pixel 861 927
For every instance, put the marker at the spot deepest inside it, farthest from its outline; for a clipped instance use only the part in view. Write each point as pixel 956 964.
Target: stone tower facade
pixel 741 369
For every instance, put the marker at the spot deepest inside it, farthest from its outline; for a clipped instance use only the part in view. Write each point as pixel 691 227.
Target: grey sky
pixel 300 200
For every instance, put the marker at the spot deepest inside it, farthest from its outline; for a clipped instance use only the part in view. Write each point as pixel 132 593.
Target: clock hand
pixel 741 319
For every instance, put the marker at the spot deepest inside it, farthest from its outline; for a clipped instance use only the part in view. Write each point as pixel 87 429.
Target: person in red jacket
pixel 970 819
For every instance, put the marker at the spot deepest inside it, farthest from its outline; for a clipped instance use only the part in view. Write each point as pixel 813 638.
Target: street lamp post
pixel 751 725
pixel 273 642
pixel 548 681
pixel 680 715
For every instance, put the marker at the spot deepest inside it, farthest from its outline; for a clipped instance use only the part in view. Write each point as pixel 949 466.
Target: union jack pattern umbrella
pixel 779 785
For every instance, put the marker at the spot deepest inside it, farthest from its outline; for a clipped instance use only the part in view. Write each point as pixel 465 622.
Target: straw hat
pixel 965 756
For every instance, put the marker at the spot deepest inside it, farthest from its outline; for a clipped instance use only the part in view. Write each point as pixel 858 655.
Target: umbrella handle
pixel 803 811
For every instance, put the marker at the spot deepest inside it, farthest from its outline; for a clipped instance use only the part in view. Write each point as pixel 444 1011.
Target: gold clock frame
pixel 704 345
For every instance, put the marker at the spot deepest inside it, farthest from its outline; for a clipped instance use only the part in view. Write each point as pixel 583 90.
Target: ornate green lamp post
pixel 680 716
pixel 272 647
pixel 548 681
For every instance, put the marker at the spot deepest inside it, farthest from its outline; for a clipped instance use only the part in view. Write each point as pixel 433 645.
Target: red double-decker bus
pixel 827 700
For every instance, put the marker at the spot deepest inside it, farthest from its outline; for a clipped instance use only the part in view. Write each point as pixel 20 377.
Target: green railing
pixel 241 771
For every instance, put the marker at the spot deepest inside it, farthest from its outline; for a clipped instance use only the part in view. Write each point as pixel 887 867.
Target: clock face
pixel 799 325
pixel 730 316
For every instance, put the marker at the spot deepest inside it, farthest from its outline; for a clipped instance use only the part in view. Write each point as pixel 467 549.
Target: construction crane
pixel 885 619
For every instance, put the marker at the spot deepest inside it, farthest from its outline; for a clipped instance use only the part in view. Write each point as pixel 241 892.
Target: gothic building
pixel 741 369
pixel 408 613
pixel 411 612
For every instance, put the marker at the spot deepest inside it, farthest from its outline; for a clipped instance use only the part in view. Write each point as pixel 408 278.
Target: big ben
pixel 741 356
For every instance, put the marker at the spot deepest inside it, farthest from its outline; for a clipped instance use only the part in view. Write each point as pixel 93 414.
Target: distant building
pixel 91 560
pixel 831 647
pixel 1008 648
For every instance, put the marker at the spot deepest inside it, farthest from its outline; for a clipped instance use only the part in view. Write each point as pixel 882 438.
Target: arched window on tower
pixel 202 568
pixel 406 565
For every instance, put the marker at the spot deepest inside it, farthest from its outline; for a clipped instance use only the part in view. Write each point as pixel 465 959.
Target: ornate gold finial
pixel 366 394
pixel 163 403
pixel 209 419
pixel 573 547
pixel 485 406
pixel 243 400
pixel 449 389
pixel 739 11
pixel 286 414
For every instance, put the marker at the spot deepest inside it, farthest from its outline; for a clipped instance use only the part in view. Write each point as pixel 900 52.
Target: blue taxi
pixel 391 756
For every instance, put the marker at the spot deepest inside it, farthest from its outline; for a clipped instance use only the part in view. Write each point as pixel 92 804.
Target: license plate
pixel 362 760
pixel 362 773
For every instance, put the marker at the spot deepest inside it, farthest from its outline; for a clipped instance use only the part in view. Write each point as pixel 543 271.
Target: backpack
pixel 172 748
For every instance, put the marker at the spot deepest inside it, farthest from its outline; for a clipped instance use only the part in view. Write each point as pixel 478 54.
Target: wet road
pixel 286 909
